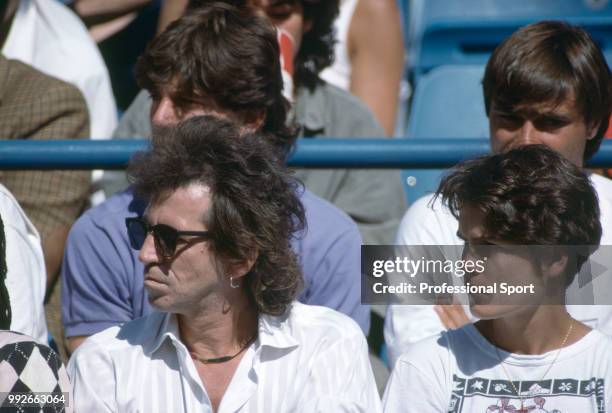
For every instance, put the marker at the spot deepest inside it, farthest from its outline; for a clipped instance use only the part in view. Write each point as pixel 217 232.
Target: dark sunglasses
pixel 165 236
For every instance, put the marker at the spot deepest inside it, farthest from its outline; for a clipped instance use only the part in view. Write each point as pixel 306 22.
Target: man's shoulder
pixel 127 337
pixel 26 85
pixel 337 112
pixel 427 221
pixel 112 212
pixel 323 212
pixel 603 186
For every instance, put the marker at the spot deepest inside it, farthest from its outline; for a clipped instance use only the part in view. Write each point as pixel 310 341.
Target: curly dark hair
pixel 530 195
pixel 317 49
pixel 225 54
pixel 255 208
pixel 547 62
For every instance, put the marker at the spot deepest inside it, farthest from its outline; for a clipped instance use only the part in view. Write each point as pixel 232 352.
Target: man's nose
pixel 148 252
pixel 163 113
pixel 527 134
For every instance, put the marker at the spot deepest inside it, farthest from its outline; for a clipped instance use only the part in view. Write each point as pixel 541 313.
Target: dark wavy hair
pixel 255 209
pixel 530 195
pixel 225 54
pixel 317 48
pixel 547 62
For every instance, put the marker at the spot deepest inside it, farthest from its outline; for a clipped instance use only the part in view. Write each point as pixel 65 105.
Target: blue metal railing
pixel 310 153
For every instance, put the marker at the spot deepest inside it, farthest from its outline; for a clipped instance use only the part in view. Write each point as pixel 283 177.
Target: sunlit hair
pixel 548 63
pixel 255 209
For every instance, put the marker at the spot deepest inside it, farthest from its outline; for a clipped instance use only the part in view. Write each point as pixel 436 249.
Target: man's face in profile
pixel 504 263
pixel 559 127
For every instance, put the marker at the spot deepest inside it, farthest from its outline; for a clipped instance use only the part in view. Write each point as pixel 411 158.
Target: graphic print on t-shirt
pixel 480 395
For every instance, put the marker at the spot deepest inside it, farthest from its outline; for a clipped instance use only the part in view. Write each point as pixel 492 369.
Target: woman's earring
pixel 232 283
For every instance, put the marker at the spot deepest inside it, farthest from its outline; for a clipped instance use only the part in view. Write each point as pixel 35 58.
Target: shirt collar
pixel 160 326
pixel 273 331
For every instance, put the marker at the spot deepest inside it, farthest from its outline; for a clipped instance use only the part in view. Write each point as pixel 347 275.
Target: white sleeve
pixel 341 380
pixel 26 277
pixel 93 379
pixel 425 223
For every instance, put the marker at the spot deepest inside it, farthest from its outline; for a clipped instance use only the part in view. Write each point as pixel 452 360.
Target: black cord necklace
pixel 216 360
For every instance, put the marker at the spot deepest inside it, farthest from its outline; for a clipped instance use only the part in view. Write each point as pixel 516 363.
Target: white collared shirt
pixel 312 360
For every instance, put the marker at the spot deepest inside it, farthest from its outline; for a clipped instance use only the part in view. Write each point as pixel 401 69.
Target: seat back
pixel 447 103
pixel 466 32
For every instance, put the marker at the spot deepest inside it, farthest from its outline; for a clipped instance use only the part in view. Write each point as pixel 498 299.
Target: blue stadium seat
pixel 466 31
pixel 447 103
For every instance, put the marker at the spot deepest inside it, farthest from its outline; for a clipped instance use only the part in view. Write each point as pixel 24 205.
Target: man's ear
pixel 555 265
pixel 592 131
pixel 240 269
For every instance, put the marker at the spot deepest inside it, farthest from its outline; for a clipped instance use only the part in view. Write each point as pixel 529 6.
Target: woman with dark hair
pixel 28 370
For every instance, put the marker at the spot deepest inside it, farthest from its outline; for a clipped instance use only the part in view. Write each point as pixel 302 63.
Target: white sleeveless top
pixel 339 73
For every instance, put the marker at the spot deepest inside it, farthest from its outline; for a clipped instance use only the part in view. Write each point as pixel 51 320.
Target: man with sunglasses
pixel 102 277
pixel 219 268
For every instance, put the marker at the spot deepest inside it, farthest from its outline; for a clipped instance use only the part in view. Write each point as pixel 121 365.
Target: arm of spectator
pixel 100 11
pixel 98 278
pixel 352 390
pixel 336 275
pixel 377 58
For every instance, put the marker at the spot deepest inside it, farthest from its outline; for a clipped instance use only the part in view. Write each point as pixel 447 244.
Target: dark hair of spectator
pixel 530 195
pixel 550 62
pixel 5 303
pixel 317 48
pixel 255 209
pixel 222 56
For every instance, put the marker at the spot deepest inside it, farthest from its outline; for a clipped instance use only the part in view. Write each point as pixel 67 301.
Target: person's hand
pixel 452 315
